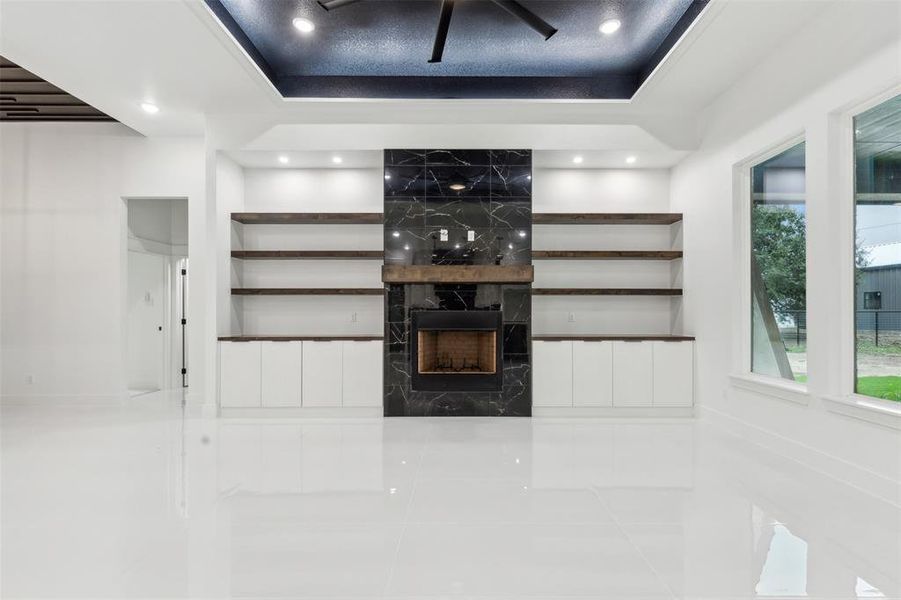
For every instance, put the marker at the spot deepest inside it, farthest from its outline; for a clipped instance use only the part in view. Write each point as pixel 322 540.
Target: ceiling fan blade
pixel 528 17
pixel 330 4
pixel 444 19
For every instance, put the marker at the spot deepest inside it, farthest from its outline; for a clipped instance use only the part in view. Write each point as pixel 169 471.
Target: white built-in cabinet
pixel 592 373
pixel 552 379
pixel 281 373
pixel 322 373
pixel 362 369
pixel 300 374
pixel 672 361
pixel 614 374
pixel 240 367
pixel 633 368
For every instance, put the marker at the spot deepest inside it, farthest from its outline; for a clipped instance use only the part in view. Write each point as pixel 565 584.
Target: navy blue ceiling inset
pixel 382 48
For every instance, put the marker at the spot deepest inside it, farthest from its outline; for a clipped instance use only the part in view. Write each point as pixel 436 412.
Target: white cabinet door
pixel 239 374
pixel 673 373
pixel 321 374
pixel 281 380
pixel 592 373
pixel 552 373
pixel 362 379
pixel 633 373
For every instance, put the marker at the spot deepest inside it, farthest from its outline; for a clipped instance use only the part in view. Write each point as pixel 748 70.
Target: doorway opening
pixel 157 294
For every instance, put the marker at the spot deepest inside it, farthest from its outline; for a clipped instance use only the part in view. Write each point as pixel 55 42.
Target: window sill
pixel 872 410
pixel 795 393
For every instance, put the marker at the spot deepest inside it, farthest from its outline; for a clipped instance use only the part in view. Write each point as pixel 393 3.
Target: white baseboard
pixel 356 412
pixel 857 476
pixel 84 399
pixel 612 411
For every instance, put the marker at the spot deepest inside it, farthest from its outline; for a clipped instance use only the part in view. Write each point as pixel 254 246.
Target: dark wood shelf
pixel 606 254
pixel 308 291
pixel 308 254
pixel 301 338
pixel 273 218
pixel 623 337
pixel 606 218
pixel 457 274
pixel 606 291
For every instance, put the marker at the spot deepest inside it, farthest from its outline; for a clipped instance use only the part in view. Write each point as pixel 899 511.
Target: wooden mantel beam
pixel 457 274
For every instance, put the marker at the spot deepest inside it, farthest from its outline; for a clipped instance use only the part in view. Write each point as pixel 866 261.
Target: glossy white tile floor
pixel 143 499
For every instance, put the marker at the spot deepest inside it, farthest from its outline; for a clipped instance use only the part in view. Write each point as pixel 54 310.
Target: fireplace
pixel 457 350
pixel 458 277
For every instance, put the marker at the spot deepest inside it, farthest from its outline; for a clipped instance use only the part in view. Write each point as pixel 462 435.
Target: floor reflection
pixel 147 498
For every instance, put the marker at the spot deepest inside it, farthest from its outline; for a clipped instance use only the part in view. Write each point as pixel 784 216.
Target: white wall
pixel 313 190
pixel 360 190
pixel 229 199
pixel 64 240
pixel 302 190
pixel 797 90
pixel 160 220
pixel 584 190
pixel 600 190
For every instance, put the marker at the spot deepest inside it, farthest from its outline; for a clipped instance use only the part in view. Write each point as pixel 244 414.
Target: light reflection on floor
pixel 141 499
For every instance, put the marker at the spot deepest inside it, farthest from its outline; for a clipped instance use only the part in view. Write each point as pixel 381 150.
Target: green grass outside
pixel 886 387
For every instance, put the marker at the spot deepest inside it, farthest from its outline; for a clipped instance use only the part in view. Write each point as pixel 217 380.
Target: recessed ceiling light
pixel 303 25
pixel 457 187
pixel 406 246
pixel 337 160
pixel 510 246
pixel 387 176
pixel 578 160
pixel 283 159
pixel 522 234
pixel 457 246
pixel 396 234
pixel 150 108
pixel 610 26
pixel 529 177
pixel 631 160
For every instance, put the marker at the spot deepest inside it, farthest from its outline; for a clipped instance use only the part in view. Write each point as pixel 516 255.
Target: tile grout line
pixel 641 553
pixel 405 522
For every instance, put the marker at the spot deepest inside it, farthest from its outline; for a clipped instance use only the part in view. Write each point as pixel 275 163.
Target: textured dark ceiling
pixel 380 48
pixel 26 97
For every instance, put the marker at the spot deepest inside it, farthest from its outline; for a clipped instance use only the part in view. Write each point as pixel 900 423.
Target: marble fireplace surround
pixel 458 230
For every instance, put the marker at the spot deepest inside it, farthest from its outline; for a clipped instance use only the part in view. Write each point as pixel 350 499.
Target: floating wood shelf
pixel 272 218
pixel 301 338
pixel 606 254
pixel 606 292
pixel 617 337
pixel 457 274
pixel 606 218
pixel 308 254
pixel 308 291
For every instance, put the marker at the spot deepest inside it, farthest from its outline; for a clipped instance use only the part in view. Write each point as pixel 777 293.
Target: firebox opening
pixel 457 352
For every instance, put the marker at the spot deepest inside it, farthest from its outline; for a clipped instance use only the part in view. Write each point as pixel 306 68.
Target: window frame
pixel 742 375
pixel 843 128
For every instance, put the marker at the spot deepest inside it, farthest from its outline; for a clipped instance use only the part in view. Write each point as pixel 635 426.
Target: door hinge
pixel 184 371
pixel 184 271
pixel 184 321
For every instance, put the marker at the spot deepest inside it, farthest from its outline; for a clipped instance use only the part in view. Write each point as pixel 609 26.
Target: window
pixel 877 252
pixel 779 266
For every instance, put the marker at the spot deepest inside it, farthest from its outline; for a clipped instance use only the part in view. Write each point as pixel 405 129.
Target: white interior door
pixel 148 301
